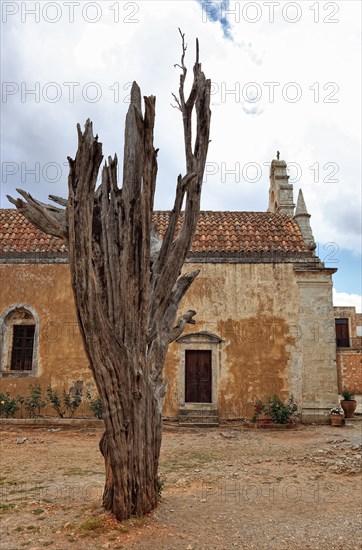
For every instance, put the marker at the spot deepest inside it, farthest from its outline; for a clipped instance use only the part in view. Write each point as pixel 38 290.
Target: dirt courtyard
pixel 225 488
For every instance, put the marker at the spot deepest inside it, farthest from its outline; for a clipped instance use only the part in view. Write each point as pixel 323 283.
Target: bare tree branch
pixel 48 218
pixel 59 200
pixel 173 251
pixel 181 323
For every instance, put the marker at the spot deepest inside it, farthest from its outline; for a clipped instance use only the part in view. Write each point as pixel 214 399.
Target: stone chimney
pixel 302 217
pixel 280 191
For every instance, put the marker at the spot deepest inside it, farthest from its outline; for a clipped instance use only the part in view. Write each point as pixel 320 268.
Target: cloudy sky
pixel 285 76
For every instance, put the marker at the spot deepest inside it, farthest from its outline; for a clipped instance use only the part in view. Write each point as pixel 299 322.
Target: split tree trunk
pixel 127 282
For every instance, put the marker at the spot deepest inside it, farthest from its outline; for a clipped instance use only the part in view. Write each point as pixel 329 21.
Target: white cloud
pixel 310 132
pixel 347 300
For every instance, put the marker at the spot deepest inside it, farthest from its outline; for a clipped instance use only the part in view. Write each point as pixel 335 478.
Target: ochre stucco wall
pixel 260 311
pixel 47 289
pixel 254 308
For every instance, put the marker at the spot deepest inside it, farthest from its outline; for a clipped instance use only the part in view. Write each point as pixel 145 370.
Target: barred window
pixel 22 349
pixel 342 333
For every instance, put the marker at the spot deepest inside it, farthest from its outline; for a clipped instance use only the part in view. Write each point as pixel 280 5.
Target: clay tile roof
pixel 238 232
pixel 233 232
pixel 17 234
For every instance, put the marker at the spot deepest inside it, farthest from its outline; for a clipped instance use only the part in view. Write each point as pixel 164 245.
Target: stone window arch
pixel 19 330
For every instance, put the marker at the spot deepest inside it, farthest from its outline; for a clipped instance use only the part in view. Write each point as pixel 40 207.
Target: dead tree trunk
pixel 127 282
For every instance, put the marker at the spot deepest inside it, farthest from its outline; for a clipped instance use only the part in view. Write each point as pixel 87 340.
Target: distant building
pixel 349 348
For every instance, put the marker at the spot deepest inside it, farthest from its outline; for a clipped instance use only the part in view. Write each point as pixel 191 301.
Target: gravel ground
pixel 226 488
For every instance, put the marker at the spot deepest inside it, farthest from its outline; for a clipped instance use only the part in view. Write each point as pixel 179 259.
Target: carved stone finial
pixel 302 218
pixel 278 155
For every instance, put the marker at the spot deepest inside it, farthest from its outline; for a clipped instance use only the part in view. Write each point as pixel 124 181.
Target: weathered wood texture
pixel 127 282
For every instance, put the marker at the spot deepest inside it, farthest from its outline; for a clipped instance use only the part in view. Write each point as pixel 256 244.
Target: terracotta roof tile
pixel 17 234
pixel 233 232
pixel 241 232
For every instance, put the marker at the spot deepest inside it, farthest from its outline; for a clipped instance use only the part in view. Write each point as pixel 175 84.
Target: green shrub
pixel 55 401
pixel 347 394
pixel 278 411
pixel 35 402
pixel 259 408
pixel 73 398
pixel 8 406
pixel 161 482
pixel 95 405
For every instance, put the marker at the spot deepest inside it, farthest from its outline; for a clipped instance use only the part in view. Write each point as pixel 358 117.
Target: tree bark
pixel 127 282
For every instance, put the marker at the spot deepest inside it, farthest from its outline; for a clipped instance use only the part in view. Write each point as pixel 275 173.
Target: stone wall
pixel 317 342
pixel 349 365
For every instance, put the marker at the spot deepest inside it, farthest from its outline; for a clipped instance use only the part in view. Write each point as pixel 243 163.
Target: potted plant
pixel 336 416
pixel 348 403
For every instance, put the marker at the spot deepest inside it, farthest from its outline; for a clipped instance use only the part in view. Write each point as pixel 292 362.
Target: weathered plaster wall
pixel 47 289
pixel 265 318
pixel 254 308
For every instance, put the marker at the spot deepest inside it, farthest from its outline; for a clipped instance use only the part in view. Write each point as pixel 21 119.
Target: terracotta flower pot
pixel 349 406
pixel 336 419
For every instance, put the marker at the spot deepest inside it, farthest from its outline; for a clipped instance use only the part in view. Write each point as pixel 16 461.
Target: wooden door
pixel 198 376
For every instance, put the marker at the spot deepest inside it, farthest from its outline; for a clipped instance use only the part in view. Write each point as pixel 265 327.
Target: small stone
pixel 181 482
pixel 227 435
